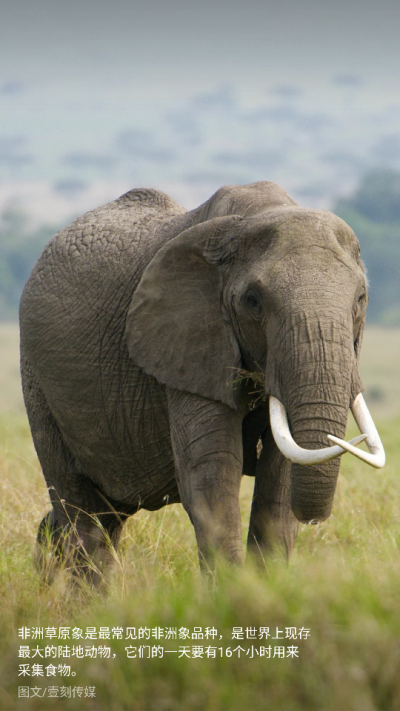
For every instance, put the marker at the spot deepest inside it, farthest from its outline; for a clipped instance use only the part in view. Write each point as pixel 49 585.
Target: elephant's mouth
pixel 286 444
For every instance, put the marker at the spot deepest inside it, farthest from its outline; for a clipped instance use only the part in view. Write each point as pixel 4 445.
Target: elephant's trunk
pixel 314 371
pixel 313 487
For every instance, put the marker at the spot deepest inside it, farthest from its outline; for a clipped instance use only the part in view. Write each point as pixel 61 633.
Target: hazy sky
pixel 190 93
pixel 179 45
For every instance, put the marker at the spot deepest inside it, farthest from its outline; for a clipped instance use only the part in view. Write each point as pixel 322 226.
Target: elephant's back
pixel 94 264
pixel 115 240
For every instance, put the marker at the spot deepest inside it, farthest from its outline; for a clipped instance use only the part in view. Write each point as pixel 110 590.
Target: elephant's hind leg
pixel 82 530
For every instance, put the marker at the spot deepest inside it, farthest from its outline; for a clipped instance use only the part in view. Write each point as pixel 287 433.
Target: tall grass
pixel 342 584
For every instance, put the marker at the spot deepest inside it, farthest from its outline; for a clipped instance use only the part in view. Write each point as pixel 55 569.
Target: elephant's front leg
pixel 273 526
pixel 207 444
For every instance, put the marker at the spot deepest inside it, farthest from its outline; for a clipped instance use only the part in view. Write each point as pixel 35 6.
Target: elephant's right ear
pixel 175 328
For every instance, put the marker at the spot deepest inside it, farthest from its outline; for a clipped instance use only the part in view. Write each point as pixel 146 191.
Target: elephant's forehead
pixel 306 262
pixel 296 226
pixel 314 227
pixel 300 265
pixel 311 264
pixel 308 277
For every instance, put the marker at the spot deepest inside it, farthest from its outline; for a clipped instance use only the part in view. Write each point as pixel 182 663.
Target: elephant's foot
pixel 83 548
pixel 271 537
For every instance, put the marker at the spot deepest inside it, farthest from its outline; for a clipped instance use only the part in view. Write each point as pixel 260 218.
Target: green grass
pixel 343 583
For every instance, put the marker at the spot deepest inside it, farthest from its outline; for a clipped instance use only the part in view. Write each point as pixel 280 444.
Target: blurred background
pixel 97 98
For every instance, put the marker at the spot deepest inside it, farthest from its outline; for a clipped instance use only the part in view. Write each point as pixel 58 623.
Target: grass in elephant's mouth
pixel 342 585
pixel 256 382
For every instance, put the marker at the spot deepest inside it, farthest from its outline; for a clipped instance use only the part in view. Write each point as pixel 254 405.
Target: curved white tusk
pixel 286 444
pixel 365 424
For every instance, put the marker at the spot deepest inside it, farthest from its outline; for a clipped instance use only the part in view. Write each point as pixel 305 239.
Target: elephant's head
pixel 262 284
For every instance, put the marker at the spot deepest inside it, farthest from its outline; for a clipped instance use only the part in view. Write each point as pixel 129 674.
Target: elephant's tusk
pixel 365 424
pixel 286 444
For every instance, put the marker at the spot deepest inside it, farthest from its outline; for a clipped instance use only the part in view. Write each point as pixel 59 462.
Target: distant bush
pixel 20 247
pixel 377 197
pixel 373 212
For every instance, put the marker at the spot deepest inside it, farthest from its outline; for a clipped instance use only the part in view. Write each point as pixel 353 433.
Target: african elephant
pixel 143 327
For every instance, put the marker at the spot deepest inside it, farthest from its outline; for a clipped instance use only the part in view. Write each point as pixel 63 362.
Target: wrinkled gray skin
pixel 134 323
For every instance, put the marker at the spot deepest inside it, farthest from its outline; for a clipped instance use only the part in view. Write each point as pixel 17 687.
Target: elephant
pixel 166 352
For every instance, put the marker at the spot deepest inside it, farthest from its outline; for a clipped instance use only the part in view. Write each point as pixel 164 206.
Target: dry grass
pixel 380 370
pixel 342 584
pixel 10 382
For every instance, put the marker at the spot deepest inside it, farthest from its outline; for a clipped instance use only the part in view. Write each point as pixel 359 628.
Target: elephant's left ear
pixel 175 328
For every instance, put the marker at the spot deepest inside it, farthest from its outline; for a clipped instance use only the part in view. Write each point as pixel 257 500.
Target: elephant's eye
pixel 361 297
pixel 253 303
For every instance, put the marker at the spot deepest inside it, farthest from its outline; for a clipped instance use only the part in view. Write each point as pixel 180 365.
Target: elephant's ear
pixel 176 329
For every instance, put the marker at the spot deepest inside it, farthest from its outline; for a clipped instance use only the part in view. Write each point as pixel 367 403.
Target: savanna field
pixel 340 594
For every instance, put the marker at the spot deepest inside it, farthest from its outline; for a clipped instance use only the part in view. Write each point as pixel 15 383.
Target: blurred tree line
pixel 373 211
pixel 20 247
